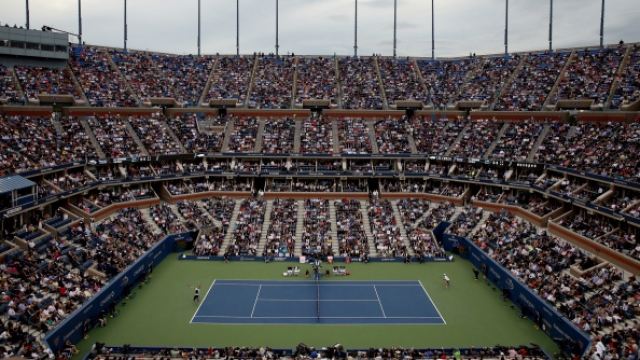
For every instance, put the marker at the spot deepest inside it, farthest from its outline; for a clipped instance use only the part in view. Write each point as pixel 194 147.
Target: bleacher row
pixel 104 77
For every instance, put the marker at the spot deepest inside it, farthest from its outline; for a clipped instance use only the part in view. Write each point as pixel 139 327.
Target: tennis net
pixel 318 288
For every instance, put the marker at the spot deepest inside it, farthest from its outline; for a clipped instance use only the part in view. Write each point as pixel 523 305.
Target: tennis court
pixel 317 302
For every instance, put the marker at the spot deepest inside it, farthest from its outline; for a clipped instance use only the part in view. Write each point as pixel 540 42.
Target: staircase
pixel 335 246
pixel 336 64
pixel 77 86
pixel 92 138
pixel 572 132
pixel 207 86
pixel 294 83
pixel 507 84
pixel 403 232
pixel 336 138
pixel 57 126
pixel 124 79
pixel 215 221
pixel 412 144
pixel 250 85
pixel 135 137
pixel 299 229
pixel 296 135
pixel 227 134
pixel 554 89
pixel 265 227
pixel 493 145
pixel 16 82
pixel 228 238
pixel 454 144
pixel 616 80
pixel 367 228
pixel 174 209
pixel 173 136
pixel 385 102
pixel 424 85
pixel 536 145
pixel 258 145
pixel 372 135
pixel 485 216
pixel 149 220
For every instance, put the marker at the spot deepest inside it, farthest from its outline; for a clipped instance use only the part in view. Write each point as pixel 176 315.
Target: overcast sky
pixel 315 27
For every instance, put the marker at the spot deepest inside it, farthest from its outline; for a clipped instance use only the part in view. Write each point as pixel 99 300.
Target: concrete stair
pixel 134 135
pixel 554 89
pixel 367 228
pixel 336 139
pixel 174 137
pixel 403 232
pixel 299 229
pixel 228 238
pixel 216 222
pixel 294 83
pixel 250 86
pixel 174 208
pixel 427 104
pixel 338 84
pixel 227 134
pixel 258 144
pixel 16 82
pixel 616 80
pixel 372 135
pixel 149 219
pixel 457 140
pixel 493 145
pixel 92 138
pixel 77 86
pixel 485 216
pixel 536 145
pixel 412 144
pixel 505 86
pixel 124 79
pixel 265 227
pixel 296 136
pixel 57 125
pixel 335 246
pixel 385 102
pixel 207 86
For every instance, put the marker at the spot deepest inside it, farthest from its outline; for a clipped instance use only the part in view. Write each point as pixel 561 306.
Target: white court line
pixel 379 302
pixel 202 301
pixel 434 304
pixel 315 300
pixel 321 285
pixel 322 317
pixel 256 302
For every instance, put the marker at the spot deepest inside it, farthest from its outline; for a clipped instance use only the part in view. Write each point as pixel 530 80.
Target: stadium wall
pixel 557 326
pixel 71 328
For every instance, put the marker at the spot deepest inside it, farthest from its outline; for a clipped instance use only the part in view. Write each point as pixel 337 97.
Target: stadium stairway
pixel 425 88
pixel 336 66
pixel 336 139
pixel 403 232
pixel 77 86
pixel 536 145
pixel 296 136
pixel 124 79
pixel 16 82
pixel 335 245
pixel 559 79
pixel 412 144
pixel 265 226
pixel 367 228
pixel 173 136
pixel 250 87
pixel 229 236
pixel 572 132
pixel 507 84
pixel 616 80
pixel 372 135
pixel 135 137
pixel 299 229
pixel 57 125
pixel 455 142
pixel 207 85
pixel 227 135
pixel 258 145
pixel 215 221
pixel 294 83
pixel 485 216
pixel 176 212
pixel 92 138
pixel 149 219
pixel 385 102
pixel 493 145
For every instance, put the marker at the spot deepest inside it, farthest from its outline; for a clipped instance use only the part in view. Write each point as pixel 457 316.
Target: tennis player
pixel 446 281
pixel 196 296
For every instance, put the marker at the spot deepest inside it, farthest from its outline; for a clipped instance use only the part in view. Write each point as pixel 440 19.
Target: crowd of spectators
pixel 166 220
pixel 316 135
pixel 113 137
pixel 445 78
pixel 142 73
pixel 588 226
pixel 433 136
pixel 401 80
pixel 244 134
pixel 43 80
pixel 230 79
pixel 316 185
pixel 316 235
pixel 412 209
pixel 8 90
pixel 466 221
pixel 248 228
pixel 487 80
pixel 278 135
pixel 590 75
pixel 38 137
pixel 354 136
pixel 477 139
pixel 196 217
pixel 194 141
pixel 154 134
pixel 220 208
pixel 273 82
pixel 628 89
pixel 316 80
pixel 352 239
pixel 533 82
pixel 386 231
pixel 187 75
pixel 281 233
pixel 210 242
pixel 391 135
pixel 102 86
pixel 360 84
pixel 517 141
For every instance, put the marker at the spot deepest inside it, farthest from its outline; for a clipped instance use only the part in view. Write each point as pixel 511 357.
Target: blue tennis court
pixel 311 302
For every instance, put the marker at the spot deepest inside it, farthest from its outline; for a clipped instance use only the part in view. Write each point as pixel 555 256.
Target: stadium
pixel 298 206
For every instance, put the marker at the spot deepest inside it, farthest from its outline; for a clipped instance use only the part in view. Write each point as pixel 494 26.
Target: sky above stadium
pixel 315 27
